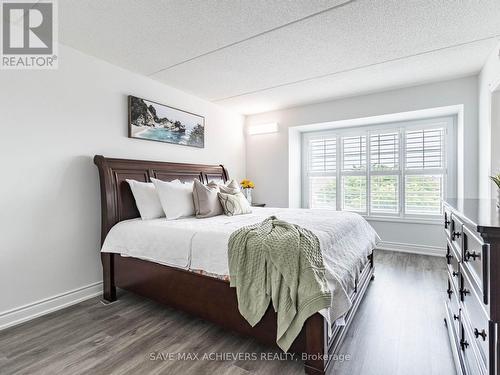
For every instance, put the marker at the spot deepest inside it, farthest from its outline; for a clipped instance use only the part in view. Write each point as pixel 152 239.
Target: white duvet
pixel 345 238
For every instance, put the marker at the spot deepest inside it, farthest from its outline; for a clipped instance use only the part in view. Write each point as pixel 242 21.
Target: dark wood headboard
pixel 117 201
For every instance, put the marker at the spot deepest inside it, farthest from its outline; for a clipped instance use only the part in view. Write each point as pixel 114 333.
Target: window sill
pixel 404 220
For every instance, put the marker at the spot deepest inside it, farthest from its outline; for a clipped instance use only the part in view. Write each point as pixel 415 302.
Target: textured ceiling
pixel 259 55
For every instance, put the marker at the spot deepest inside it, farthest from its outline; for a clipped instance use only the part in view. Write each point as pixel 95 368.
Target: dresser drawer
pixel 470 354
pixel 475 259
pixel 452 261
pixel 474 315
pixel 455 335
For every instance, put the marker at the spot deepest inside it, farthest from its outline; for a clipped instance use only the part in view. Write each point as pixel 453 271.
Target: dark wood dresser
pixel 472 228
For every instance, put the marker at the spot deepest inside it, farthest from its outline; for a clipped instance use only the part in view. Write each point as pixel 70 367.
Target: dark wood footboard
pixel 214 300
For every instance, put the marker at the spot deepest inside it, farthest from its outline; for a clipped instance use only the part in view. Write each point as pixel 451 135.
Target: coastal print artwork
pixel 158 122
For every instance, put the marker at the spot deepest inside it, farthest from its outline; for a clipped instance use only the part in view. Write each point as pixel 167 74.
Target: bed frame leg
pixel 109 288
pixel 316 353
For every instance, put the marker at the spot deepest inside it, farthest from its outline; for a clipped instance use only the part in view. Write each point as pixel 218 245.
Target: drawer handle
pixel 455 317
pixel 473 255
pixel 464 292
pixel 448 257
pixel 482 334
pixel 450 292
pixel 454 273
pixel 446 223
pixel 456 235
pixel 464 344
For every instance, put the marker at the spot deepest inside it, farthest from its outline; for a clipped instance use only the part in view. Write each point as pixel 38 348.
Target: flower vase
pixel 248 195
pixel 498 198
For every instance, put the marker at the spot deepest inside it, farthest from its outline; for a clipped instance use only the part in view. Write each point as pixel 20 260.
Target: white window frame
pixel 448 171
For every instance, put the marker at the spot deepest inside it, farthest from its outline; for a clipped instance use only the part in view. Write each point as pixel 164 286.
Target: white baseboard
pixel 412 248
pixel 35 309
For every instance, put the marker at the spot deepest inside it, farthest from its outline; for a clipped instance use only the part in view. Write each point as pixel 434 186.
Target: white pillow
pixel 230 187
pixel 146 199
pixel 176 198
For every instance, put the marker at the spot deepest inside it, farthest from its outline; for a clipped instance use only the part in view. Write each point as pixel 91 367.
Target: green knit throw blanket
pixel 278 261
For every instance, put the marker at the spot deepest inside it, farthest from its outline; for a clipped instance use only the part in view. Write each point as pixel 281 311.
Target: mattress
pixel 200 245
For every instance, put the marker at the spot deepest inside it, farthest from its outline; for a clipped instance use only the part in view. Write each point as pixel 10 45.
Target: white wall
pixel 52 124
pixel 267 161
pixel 489 123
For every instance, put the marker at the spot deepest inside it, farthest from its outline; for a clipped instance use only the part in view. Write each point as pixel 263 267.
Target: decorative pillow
pixel 206 201
pixel 234 204
pixel 146 199
pixel 176 198
pixel 231 187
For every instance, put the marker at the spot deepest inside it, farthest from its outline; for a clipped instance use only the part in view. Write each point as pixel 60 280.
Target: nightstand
pixel 258 204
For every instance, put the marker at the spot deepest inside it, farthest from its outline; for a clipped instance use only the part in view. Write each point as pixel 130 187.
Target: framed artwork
pixel 158 122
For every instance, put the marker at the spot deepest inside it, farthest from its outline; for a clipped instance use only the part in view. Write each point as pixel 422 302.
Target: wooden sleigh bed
pixel 206 297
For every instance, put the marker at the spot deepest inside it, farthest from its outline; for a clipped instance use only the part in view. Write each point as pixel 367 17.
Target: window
pixel 424 171
pixel 384 172
pixel 322 171
pixel 353 173
pixel 397 170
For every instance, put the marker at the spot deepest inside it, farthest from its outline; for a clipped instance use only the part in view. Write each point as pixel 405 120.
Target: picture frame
pixel 158 122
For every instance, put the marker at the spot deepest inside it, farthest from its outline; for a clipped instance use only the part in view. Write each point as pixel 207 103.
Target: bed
pixel 183 263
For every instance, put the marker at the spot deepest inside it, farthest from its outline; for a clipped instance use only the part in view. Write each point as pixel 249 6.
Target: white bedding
pixel 346 239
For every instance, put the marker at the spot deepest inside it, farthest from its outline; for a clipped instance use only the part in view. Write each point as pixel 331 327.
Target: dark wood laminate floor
pixel 398 329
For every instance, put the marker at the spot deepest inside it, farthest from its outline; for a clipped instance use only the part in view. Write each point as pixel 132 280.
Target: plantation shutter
pixel 393 170
pixel 424 149
pixel 323 173
pixel 323 155
pixel 384 151
pixel 354 173
pixel 424 155
pixel 384 172
pixel 354 153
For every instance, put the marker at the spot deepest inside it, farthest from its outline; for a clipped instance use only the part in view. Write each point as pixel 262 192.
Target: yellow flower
pixel 247 184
